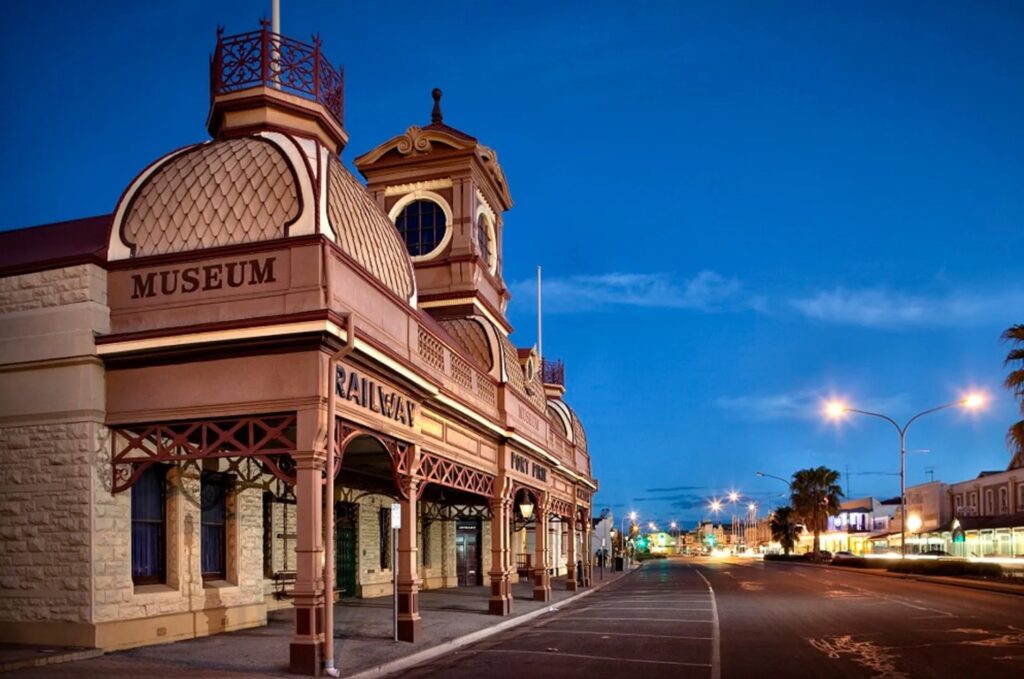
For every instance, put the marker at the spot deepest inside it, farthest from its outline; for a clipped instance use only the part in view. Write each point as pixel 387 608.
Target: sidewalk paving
pixel 363 637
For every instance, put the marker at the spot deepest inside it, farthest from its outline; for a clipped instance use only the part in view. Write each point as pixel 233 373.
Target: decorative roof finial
pixel 435 115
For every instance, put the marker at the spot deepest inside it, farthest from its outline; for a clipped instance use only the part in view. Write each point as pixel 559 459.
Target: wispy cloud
pixel 793 405
pixel 881 308
pixel 706 292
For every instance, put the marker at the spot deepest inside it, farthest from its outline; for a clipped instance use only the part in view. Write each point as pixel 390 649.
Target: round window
pixel 422 224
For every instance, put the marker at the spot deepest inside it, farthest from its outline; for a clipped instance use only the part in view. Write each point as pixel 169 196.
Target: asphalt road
pixel 738 618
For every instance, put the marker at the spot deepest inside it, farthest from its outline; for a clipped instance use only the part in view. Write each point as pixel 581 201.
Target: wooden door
pixel 345 548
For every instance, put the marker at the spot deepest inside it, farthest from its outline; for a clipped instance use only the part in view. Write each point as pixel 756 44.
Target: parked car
pixel 824 556
pixel 936 552
pixel 843 555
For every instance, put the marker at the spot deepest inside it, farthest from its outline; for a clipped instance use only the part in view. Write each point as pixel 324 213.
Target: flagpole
pixel 540 322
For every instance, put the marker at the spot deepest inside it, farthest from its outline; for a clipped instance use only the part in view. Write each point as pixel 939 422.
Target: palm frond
pixel 1015 333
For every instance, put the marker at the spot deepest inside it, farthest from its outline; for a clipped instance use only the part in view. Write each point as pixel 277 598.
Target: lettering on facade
pixel 364 392
pixel 525 466
pixel 202 278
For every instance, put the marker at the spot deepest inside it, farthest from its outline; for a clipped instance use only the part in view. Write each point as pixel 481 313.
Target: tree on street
pixel 816 494
pixel 784 527
pixel 1015 383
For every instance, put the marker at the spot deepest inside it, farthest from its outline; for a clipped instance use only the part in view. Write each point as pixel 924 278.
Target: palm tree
pixel 783 525
pixel 815 497
pixel 1015 383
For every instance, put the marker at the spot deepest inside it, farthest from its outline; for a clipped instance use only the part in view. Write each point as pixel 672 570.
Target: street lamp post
pixel 836 409
pixel 622 531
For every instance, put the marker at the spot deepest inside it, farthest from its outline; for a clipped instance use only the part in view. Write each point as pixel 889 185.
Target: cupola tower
pixel 446 194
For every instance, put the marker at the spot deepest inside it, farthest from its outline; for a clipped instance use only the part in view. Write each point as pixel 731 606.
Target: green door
pixel 345 548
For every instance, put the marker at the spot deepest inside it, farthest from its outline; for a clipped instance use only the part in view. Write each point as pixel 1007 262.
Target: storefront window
pixel 148 526
pixel 214 490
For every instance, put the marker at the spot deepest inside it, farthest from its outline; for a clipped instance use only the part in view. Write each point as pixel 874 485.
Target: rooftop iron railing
pixel 554 372
pixel 265 58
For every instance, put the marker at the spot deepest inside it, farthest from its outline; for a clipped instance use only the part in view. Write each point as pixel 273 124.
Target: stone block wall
pixel 51 439
pixel 45 521
pixel 53 288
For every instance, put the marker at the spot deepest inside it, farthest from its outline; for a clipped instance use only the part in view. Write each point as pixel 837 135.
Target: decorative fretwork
pixel 268 438
pixel 461 372
pixel 399 451
pixel 486 390
pixel 431 350
pixel 264 58
pixel 436 469
pixel 560 507
pixel 442 512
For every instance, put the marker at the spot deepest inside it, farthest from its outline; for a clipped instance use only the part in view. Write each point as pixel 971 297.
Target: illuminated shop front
pixel 173 370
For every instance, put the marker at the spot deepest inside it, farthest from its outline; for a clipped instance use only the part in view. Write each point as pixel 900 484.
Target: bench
pixel 284 585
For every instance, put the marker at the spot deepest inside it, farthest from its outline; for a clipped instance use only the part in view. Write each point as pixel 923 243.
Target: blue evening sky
pixel 740 208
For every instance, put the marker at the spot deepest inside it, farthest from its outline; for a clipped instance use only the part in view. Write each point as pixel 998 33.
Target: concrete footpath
pixel 364 648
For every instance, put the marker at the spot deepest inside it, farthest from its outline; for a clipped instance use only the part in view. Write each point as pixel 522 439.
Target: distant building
pixel 982 517
pixel 858 523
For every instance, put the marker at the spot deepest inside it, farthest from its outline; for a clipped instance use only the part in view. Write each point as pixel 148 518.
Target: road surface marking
pixel 621 619
pixel 588 657
pixel 879 659
pixel 618 634
pixel 716 655
pixel 643 608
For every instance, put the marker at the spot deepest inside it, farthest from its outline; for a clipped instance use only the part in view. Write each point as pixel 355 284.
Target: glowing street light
pixel 835 409
pixel 733 496
pixel 715 506
pixel 914 523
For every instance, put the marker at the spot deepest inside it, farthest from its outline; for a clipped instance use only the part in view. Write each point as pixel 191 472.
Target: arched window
pixel 1004 501
pixel 974 500
pixel 483 239
pixel 1020 497
pixel 990 502
pixel 423 225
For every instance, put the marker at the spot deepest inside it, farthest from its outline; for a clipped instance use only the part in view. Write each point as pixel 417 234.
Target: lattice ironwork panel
pixel 436 469
pixel 135 447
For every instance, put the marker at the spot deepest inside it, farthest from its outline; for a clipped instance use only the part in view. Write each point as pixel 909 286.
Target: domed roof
pixel 257 188
pixel 365 233
pixel 471 336
pixel 220 193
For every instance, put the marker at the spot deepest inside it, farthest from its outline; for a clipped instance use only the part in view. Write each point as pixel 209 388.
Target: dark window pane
pixel 213 535
pixel 148 499
pixel 422 225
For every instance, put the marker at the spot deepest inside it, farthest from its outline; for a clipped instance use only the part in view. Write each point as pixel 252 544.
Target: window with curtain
pixel 149 539
pixel 384 519
pixel 213 542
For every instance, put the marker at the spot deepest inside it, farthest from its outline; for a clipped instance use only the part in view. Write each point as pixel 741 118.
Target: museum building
pixel 171 373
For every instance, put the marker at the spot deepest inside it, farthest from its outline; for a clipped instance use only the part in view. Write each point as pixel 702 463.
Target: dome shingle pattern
pixel 471 336
pixel 365 233
pixel 221 193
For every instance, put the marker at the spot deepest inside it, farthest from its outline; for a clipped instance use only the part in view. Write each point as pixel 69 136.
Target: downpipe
pixel 332 370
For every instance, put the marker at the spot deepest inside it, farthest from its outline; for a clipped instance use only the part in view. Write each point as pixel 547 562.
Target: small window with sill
pixel 214 488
